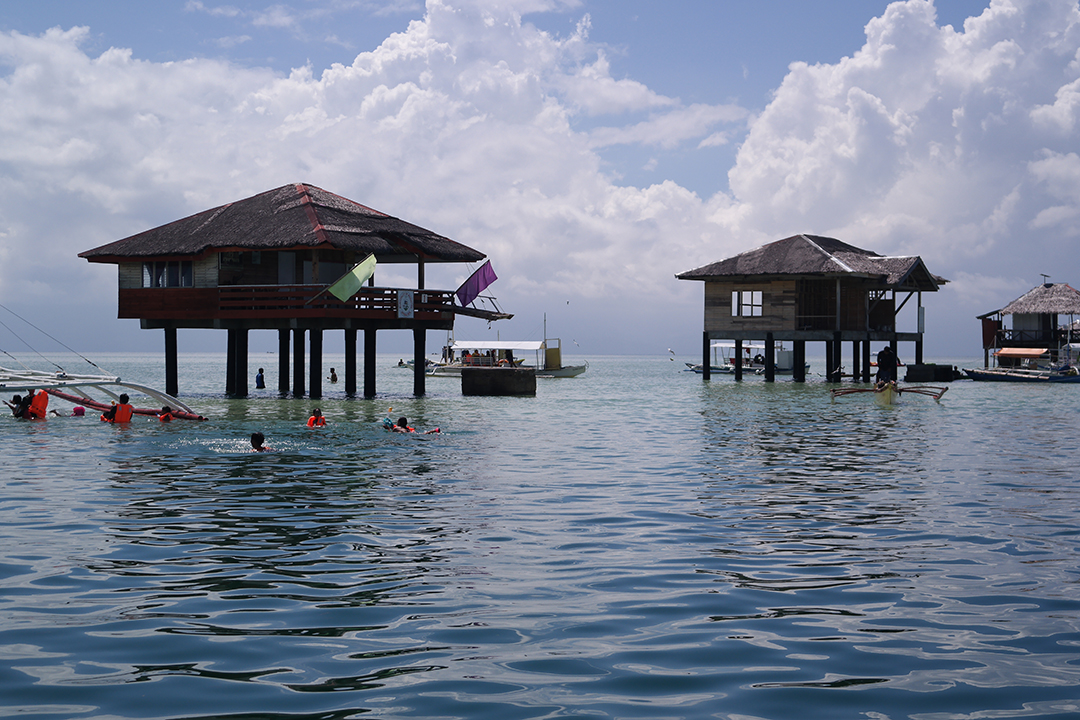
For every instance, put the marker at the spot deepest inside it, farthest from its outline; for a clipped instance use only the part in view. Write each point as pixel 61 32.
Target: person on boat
pixel 260 382
pixel 333 375
pixel 166 414
pixel 316 419
pixel 886 365
pixel 119 412
pixel 257 441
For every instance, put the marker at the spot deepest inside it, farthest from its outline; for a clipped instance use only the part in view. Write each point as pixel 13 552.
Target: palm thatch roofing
pixel 291 217
pixel 815 255
pixel 1046 299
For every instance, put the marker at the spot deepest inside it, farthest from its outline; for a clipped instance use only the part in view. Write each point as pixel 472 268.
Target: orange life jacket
pixel 165 417
pixel 39 404
pixel 313 421
pixel 121 414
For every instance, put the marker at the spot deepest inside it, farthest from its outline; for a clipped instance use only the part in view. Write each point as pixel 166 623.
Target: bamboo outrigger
pixel 73 389
pixel 888 393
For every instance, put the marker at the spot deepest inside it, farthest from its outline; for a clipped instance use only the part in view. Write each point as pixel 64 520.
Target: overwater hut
pixel 812 288
pixel 264 263
pixel 1039 325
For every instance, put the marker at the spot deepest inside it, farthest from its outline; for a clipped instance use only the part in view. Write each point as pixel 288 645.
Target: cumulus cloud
pixel 959 145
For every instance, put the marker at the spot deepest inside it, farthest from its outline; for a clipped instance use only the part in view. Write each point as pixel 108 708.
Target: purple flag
pixel 476 284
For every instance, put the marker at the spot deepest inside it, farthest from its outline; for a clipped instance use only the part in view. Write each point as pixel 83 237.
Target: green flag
pixel 350 283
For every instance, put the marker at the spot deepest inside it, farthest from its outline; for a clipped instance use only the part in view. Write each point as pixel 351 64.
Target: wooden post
pixel 283 361
pixel 298 362
pixel 350 361
pixel 172 381
pixel 241 359
pixel 230 362
pixel 855 361
pixel 738 359
pixel 798 354
pixel 706 367
pixel 315 364
pixel 419 349
pixel 828 362
pixel 770 358
pixel 866 360
pixel 918 352
pixel 838 354
pixel 369 362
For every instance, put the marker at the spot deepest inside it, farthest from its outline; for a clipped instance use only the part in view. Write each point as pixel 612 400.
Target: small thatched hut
pixel 812 288
pixel 1037 321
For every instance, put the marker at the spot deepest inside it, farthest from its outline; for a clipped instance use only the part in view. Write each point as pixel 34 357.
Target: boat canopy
pixel 1021 352
pixel 533 345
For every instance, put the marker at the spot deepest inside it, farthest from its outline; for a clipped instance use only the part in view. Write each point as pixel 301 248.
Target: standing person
pixel 260 383
pixel 316 419
pixel 37 405
pixel 333 375
pixel 886 365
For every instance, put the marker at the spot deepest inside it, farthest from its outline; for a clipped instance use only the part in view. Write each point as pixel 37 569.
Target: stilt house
pixel 812 288
pixel 265 263
pixel 1037 326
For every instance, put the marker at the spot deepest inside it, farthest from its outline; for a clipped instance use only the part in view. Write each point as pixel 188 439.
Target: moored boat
pixel 889 393
pixel 500 353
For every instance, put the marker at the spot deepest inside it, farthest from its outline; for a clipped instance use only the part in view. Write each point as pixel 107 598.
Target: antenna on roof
pixel 1045 277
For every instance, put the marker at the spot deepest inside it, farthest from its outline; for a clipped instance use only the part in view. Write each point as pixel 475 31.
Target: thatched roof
pixel 1047 299
pixel 290 217
pixel 822 256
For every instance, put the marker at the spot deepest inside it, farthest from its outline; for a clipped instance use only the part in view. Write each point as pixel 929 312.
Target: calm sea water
pixel 633 543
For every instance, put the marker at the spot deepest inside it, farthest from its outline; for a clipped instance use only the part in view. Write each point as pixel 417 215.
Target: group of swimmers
pixel 317 419
pixel 34 406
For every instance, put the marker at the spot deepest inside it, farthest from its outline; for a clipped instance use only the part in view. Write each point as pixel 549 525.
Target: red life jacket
pixel 39 404
pixel 165 417
pixel 121 414
pixel 313 421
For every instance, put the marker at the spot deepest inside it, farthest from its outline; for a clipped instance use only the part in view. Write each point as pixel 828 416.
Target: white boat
pixel 73 388
pixel 501 353
pixel 753 359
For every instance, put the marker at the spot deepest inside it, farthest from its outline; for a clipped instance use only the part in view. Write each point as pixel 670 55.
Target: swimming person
pixel 166 414
pixel 119 413
pixel 402 426
pixel 316 419
pixel 257 441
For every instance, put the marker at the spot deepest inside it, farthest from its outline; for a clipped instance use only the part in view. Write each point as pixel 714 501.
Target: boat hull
pixel 1024 376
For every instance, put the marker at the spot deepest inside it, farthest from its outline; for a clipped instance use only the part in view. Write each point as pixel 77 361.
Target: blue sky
pixel 591 149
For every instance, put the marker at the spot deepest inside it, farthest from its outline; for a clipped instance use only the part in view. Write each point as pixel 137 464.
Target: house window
pixel 172 273
pixel 746 303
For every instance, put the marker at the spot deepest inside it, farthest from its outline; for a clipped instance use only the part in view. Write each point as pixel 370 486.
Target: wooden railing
pixel 241 302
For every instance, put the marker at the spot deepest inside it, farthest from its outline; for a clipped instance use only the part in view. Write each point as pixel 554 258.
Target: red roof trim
pixel 313 217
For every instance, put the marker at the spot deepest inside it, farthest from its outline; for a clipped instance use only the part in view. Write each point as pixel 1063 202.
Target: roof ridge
pixel 828 254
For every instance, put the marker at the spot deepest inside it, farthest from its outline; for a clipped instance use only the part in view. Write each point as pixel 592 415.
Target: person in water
pixel 119 413
pixel 402 426
pixel 32 407
pixel 166 414
pixel 316 419
pixel 257 441
pixel 333 375
pixel 18 406
pixel 260 383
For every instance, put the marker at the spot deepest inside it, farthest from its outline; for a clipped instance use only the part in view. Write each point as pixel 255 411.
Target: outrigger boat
pixel 1030 365
pixel 888 393
pixel 72 388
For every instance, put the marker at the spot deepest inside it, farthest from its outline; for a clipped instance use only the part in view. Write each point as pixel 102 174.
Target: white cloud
pixel 959 146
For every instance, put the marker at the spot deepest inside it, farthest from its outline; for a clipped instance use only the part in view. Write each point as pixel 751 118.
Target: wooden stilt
pixel 369 362
pixel 172 381
pixel 855 369
pixel 315 364
pixel 419 351
pixel 241 360
pixel 283 361
pixel 706 360
pixel 298 363
pixel 770 358
pixel 738 359
pixel 350 361
pixel 798 371
pixel 230 362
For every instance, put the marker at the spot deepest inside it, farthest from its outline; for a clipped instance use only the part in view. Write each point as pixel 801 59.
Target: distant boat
pixel 724 359
pixel 500 353
pixel 1028 368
